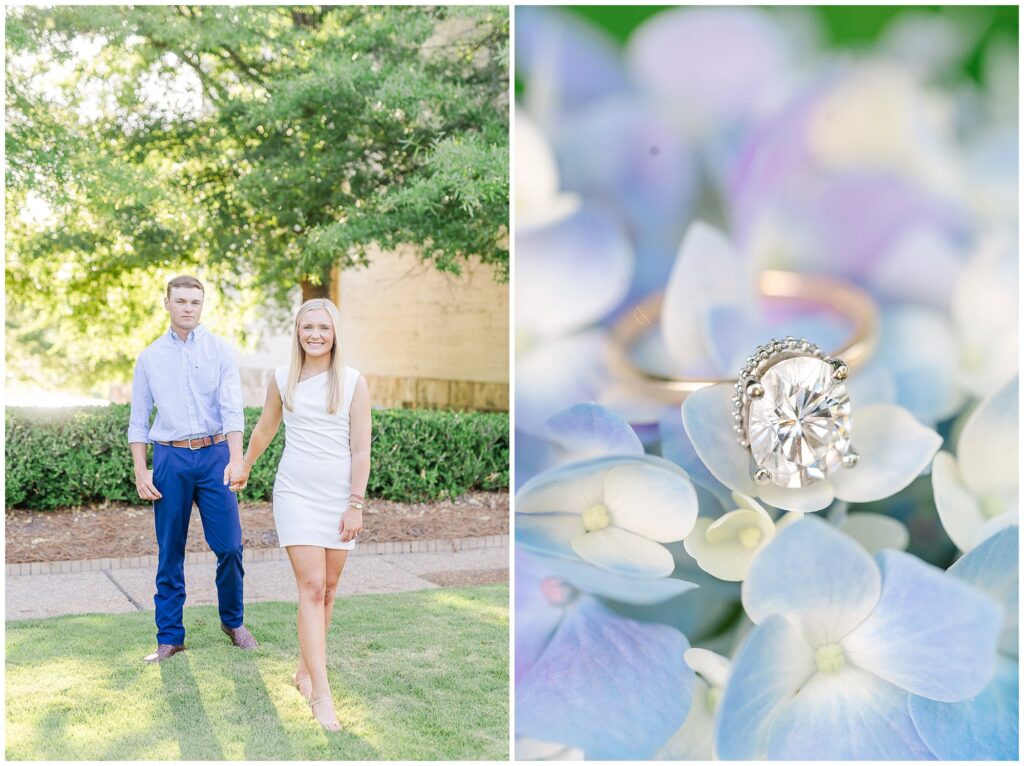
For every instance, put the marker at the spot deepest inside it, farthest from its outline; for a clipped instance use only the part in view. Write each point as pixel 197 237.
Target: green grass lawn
pixel 419 675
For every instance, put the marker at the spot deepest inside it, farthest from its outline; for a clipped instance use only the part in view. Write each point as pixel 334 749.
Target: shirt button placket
pixel 190 402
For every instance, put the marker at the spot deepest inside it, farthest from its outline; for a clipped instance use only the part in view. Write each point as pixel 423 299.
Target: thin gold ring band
pixel 842 297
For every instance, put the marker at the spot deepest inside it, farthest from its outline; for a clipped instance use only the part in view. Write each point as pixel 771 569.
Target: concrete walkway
pixel 126 585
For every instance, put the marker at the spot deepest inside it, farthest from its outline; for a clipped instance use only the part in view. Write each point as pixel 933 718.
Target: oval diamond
pixel 799 429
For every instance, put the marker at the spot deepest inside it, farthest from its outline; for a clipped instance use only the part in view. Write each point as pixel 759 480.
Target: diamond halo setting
pixel 792 411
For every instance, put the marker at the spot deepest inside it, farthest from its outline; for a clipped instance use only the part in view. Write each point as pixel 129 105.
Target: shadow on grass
pixel 188 714
pixel 415 676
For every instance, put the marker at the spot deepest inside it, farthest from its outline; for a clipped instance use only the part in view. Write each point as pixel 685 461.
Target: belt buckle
pixel 196 438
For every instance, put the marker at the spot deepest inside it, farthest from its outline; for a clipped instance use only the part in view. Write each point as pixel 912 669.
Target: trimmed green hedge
pixel 70 457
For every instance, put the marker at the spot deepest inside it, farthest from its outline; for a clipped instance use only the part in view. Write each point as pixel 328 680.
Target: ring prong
pixel 762 476
pixel 839 369
pixel 850 459
pixel 755 390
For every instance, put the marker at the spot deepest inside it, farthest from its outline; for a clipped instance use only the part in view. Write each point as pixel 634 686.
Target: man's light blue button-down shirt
pixel 194 384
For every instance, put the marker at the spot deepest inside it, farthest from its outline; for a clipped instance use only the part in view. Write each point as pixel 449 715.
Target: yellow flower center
pixel 830 658
pixel 711 700
pixel 991 505
pixel 596 517
pixel 750 537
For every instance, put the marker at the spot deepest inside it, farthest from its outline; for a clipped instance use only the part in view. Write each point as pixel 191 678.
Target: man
pixel 191 376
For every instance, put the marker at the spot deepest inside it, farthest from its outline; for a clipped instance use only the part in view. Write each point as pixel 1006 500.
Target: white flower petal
pixel 894 449
pixel 655 501
pixel 707 416
pixel 571 488
pixel 987 450
pixel 538 201
pixel 693 741
pixel 726 560
pixel 714 667
pixel 623 552
pixel 813 497
pixel 876 532
pixel 708 274
pixel 959 512
pixel 600 582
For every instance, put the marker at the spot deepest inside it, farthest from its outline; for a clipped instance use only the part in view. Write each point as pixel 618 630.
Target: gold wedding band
pixel 842 297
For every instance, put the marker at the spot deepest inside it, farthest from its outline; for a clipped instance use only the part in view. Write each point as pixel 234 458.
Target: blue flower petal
pixel 677 447
pixel 983 728
pixel 568 57
pixel 549 532
pixel 731 334
pixel 622 152
pixel 771 666
pixel 572 273
pixel 618 587
pixel 709 279
pixel 589 430
pixel 614 687
pixel 670 57
pixel 536 616
pixel 993 567
pixel 817 577
pixel 930 633
pixel 924 373
pixel 707 417
pixel 847 715
pixel 894 449
pixel 545 384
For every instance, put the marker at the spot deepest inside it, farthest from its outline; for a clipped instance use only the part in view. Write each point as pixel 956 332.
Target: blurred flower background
pixel 667 607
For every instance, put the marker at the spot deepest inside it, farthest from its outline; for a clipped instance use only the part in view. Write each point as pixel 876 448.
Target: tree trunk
pixel 311 291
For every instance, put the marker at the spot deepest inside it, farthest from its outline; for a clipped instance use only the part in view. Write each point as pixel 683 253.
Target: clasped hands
pixel 236 475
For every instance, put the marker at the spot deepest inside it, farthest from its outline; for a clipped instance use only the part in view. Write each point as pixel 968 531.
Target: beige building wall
pixel 423 338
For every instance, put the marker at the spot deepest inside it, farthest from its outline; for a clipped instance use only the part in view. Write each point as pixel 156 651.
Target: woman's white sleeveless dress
pixel 312 485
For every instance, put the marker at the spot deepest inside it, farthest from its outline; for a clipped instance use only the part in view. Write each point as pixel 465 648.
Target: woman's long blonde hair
pixel 335 373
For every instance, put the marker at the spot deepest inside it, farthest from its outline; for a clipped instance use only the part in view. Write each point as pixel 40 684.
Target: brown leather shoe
pixel 240 637
pixel 163 652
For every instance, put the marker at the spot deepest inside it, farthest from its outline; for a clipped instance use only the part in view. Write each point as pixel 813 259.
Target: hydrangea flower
pixel 894 449
pixel 612 687
pixel 724 547
pixel 976 491
pixel 984 727
pixel 842 641
pixel 613 512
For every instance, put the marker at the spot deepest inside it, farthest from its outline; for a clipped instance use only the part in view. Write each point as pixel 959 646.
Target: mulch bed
pixel 119 531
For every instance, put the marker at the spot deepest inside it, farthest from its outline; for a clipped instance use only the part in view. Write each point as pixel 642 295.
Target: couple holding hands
pixel 190 375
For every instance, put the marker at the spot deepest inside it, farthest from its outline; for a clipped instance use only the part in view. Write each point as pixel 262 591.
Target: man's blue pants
pixel 184 476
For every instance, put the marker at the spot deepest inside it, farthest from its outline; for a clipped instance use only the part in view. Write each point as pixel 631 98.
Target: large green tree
pixel 260 147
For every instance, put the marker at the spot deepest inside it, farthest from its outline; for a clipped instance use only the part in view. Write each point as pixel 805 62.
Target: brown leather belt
pixel 196 442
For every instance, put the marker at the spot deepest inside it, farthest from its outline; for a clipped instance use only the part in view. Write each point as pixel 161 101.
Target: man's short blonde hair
pixel 184 281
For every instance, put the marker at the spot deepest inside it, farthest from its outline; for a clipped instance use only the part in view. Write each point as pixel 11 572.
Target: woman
pixel 318 492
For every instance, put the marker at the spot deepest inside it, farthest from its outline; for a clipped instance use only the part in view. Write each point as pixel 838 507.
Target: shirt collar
pixel 195 334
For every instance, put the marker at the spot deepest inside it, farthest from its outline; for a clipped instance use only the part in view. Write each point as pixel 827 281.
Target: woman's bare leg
pixel 309 563
pixel 335 565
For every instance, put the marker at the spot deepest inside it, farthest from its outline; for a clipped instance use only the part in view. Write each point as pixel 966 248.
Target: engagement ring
pixel 792 410
pixel 842 297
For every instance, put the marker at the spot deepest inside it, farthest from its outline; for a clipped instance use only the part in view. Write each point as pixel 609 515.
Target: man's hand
pixel 236 475
pixel 145 487
pixel 351 524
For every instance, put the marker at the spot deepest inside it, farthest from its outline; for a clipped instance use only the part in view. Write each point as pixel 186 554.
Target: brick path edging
pixel 254 554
